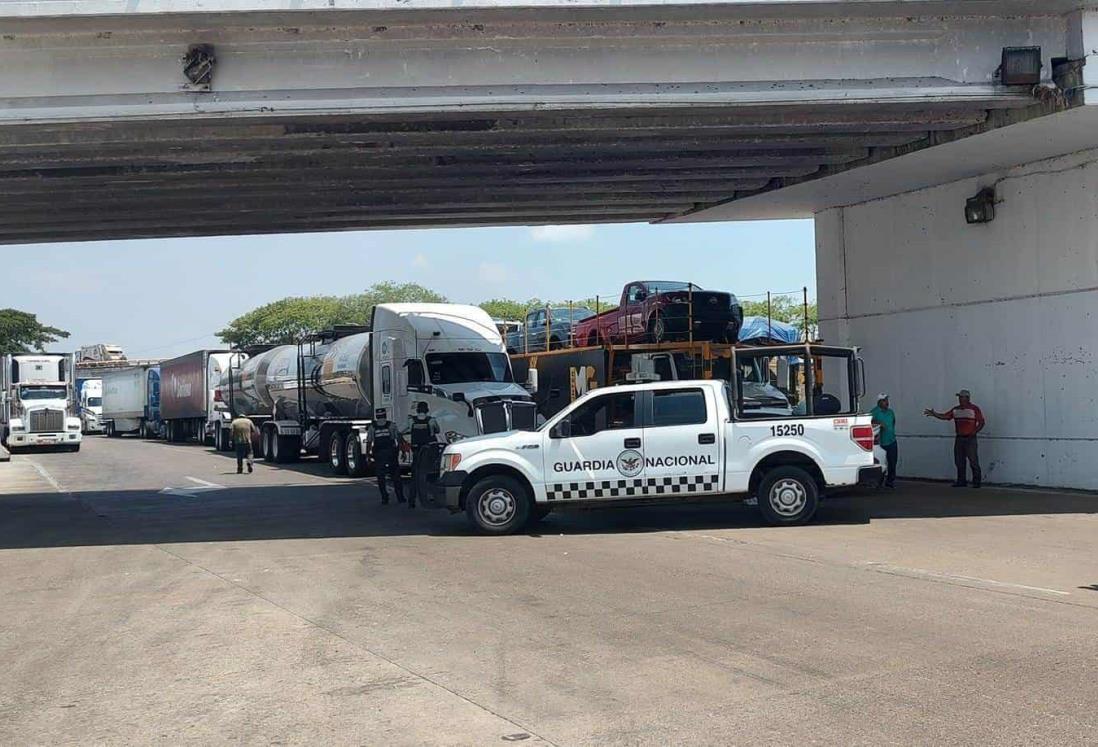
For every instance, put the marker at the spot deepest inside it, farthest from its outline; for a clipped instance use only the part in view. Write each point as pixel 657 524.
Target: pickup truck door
pixel 682 437
pixel 535 330
pixel 600 453
pixel 631 316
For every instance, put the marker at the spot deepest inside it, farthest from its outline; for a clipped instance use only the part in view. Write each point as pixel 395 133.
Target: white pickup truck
pixel 667 441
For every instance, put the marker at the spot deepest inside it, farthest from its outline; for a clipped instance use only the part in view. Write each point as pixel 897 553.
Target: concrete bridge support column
pixel 1008 309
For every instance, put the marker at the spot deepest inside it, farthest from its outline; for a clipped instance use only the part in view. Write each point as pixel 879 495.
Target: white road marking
pixel 899 570
pixel 47 476
pixel 192 492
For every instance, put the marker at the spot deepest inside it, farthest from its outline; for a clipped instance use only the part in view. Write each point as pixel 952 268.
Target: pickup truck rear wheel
pixel 657 328
pixel 498 504
pixel 788 495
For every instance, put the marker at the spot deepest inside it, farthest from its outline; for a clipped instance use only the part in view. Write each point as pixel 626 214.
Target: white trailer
pixel 320 396
pixel 38 401
pixel 131 401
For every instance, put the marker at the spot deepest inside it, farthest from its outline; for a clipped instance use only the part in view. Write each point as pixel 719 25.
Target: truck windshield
pixel 458 368
pixel 665 286
pixel 95 401
pixel 575 315
pixel 27 393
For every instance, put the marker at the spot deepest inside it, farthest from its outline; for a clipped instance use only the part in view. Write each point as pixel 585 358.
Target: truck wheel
pixel 337 457
pixel 356 462
pixel 788 495
pixel 593 340
pixel 554 343
pixel 265 445
pixel 498 505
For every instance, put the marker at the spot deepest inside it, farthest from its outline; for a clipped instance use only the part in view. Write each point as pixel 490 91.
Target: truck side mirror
pixel 563 429
pixel 532 381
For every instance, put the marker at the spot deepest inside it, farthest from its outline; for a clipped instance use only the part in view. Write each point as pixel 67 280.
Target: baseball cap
pixel 881 396
pixel 964 393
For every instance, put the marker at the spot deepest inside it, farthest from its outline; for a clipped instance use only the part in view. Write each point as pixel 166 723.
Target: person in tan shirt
pixel 243 429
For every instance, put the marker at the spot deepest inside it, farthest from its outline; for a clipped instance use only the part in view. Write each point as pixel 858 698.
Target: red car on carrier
pixel 662 311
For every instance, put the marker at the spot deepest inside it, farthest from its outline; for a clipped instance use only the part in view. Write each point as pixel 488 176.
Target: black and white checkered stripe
pixel 632 487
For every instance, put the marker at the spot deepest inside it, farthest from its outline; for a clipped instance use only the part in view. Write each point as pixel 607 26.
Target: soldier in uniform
pixel 423 432
pixel 386 443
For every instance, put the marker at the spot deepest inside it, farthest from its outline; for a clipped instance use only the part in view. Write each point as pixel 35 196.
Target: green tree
pixel 784 309
pixel 289 319
pixel 21 332
pixel 508 309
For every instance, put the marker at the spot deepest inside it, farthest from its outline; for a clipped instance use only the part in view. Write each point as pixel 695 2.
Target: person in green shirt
pixel 885 417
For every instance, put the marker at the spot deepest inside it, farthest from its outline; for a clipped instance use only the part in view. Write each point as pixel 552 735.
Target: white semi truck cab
pixel 90 401
pixel 37 401
pixel 667 441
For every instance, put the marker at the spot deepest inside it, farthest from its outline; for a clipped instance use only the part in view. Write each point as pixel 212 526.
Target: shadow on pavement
pixel 352 509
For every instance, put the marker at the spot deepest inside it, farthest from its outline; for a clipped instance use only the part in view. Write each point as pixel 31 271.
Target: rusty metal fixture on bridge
pixel 198 66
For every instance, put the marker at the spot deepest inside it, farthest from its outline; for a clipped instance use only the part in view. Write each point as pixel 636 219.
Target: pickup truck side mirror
pixel 563 429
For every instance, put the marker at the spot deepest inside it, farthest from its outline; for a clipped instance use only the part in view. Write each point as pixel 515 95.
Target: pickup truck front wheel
pixel 498 505
pixel 788 495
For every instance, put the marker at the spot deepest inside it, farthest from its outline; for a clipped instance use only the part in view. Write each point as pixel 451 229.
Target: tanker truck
pixel 319 396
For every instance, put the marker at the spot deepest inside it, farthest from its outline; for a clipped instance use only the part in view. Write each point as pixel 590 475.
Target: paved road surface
pixel 291 608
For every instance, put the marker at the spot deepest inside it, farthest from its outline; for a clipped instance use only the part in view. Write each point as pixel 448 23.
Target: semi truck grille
pixel 47 421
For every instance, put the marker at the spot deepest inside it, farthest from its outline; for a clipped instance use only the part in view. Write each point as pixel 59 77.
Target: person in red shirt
pixel 968 420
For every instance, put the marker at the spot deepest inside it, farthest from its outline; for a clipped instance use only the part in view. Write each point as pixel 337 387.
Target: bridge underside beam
pixel 475 117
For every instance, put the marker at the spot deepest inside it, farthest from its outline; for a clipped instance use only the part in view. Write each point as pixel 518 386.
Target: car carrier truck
pixel 319 396
pixel 38 401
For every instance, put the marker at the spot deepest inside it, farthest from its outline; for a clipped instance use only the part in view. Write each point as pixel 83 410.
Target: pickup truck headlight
pixel 450 461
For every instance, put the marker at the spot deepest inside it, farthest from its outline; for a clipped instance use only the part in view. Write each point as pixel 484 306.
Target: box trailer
pixel 131 401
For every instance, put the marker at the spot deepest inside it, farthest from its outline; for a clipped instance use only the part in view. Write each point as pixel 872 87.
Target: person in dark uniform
pixel 423 432
pixel 386 442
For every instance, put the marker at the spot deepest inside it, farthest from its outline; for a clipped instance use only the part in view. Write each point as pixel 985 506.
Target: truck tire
pixel 498 505
pixel 593 340
pixel 265 447
pixel 337 456
pixel 657 328
pixel 788 495
pixel 554 343
pixel 355 460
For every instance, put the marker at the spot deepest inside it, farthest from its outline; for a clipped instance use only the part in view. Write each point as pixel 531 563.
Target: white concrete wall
pixel 1007 309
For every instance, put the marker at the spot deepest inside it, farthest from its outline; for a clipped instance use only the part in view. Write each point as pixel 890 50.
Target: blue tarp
pixel 756 329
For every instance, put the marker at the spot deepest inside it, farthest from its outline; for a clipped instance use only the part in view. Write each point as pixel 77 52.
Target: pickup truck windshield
pixel 562 315
pixel 663 286
pixel 459 368
pixel 27 393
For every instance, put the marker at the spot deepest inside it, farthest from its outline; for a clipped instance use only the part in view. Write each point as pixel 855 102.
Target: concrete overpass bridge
pixel 389 113
pixel 879 118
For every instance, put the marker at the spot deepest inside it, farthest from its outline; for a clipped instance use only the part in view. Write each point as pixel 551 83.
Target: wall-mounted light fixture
pixel 1021 66
pixel 198 67
pixel 981 208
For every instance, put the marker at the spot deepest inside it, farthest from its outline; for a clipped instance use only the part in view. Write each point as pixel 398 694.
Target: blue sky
pixel 160 298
